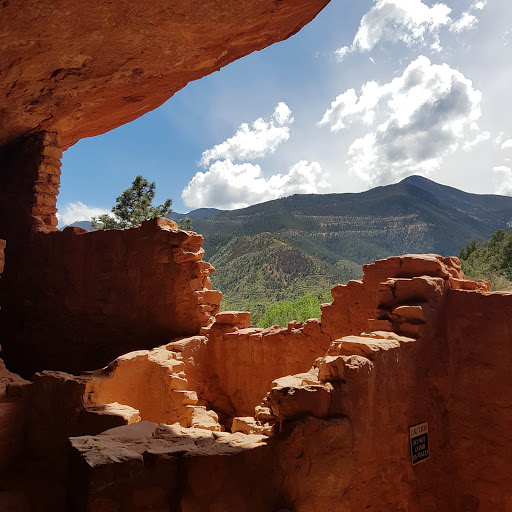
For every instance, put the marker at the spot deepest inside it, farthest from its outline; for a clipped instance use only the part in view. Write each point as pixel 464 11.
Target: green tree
pixel 281 313
pixel 185 224
pixel 490 260
pixel 133 206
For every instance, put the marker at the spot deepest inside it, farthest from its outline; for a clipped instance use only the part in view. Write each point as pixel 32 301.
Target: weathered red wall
pixel 77 300
pixel 354 453
pixel 475 378
pixel 239 366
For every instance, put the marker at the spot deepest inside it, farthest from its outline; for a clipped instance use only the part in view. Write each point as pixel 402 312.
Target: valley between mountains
pixel 286 248
pixel 283 249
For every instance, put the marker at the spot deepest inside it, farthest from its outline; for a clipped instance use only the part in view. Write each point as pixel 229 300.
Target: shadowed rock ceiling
pixel 87 66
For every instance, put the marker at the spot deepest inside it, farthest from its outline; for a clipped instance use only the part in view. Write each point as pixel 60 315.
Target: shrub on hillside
pixel 283 312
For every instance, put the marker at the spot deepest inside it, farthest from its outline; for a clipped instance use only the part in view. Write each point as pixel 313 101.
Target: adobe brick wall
pixel 79 299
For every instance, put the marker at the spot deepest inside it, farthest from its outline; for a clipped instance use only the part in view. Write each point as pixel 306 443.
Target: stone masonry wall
pixel 339 427
pixel 29 185
pixel 79 299
pixel 46 179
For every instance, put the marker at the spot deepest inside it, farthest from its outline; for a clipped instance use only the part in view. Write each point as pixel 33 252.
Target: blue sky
pixel 365 95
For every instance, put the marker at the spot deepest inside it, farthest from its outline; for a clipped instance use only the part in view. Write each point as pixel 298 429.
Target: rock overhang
pixel 85 67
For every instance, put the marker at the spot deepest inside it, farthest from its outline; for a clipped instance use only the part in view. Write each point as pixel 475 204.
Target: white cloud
pixel 74 212
pixel 407 21
pixel 507 144
pixel 498 140
pixel 479 5
pixel 467 21
pixel 341 52
pixel 410 22
pixel 348 107
pixel 480 137
pixel 227 185
pixel 256 141
pixel 418 118
pixel 502 180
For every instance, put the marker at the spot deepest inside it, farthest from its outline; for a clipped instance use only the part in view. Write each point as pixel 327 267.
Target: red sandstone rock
pixel 84 68
pixel 2 255
pixel 106 416
pixel 369 389
pixel 209 297
pixel 410 313
pixel 207 420
pixel 414 265
pixel 463 284
pixel 106 293
pixel 290 403
pixel 331 368
pixel 240 319
pixel 248 425
pixel 379 325
pixel 316 461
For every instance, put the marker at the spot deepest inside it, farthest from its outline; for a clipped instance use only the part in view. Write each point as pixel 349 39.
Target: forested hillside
pixel 415 215
pixel 304 244
pixel 256 271
pixel 490 260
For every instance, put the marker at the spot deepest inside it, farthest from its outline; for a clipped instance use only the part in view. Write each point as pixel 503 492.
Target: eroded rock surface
pixel 297 418
pixel 85 67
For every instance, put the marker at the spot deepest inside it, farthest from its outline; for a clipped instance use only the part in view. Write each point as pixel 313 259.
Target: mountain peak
pixel 416 179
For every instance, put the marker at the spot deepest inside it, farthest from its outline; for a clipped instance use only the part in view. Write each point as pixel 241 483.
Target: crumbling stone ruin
pixel 315 415
pixel 122 387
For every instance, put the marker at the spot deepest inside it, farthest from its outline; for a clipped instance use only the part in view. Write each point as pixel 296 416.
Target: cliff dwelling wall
pixel 80 82
pixel 337 410
pixel 240 364
pixel 79 299
pixel 471 368
pixel 75 300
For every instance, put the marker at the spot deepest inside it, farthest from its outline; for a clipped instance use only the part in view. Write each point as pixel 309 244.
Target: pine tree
pixel 133 206
pixel 185 224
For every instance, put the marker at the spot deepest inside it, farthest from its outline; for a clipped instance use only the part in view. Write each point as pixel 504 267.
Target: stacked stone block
pixel 46 178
